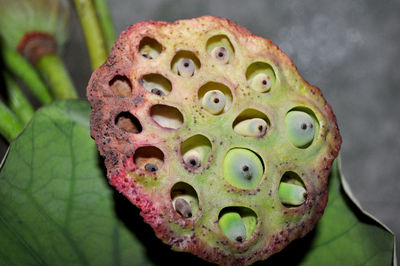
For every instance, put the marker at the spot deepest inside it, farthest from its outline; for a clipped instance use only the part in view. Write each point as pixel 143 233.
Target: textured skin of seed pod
pixel 276 224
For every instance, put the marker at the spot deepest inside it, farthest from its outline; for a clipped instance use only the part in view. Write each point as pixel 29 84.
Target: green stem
pixel 10 126
pixel 22 69
pixel 106 22
pixel 54 72
pixel 92 31
pixel 17 101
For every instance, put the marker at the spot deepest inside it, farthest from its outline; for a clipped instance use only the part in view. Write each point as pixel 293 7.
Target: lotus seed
pixel 213 101
pixel 221 54
pixel 254 127
pixel 186 67
pixel 292 194
pixel 300 128
pixel 242 168
pixel 261 82
pixel 232 226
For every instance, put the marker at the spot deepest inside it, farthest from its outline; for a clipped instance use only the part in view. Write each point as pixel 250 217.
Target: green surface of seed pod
pixel 214 101
pixel 292 194
pixel 300 128
pixel 254 127
pixel 232 226
pixel 242 168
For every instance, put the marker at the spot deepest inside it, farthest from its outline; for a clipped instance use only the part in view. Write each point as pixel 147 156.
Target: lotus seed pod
pixel 201 124
pixel 254 127
pixel 233 227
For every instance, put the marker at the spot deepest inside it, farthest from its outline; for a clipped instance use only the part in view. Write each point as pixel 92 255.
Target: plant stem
pixel 92 31
pixel 17 101
pixel 54 72
pixel 106 22
pixel 22 69
pixel 10 126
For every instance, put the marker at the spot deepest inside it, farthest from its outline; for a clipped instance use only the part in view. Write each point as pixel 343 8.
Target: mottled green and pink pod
pixel 214 135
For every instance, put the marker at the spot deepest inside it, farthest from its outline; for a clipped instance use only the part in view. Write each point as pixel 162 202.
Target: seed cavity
pixel 237 223
pixel 260 77
pixel 185 64
pixel 243 168
pixel 184 200
pixel 301 127
pixel 166 116
pixel 128 123
pixel 215 98
pixel 149 158
pixel 156 84
pixel 292 192
pixel 220 48
pixel 196 151
pixel 150 48
pixel 121 86
pixel 251 123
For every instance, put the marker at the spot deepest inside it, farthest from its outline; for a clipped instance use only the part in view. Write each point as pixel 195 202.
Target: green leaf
pixel 57 208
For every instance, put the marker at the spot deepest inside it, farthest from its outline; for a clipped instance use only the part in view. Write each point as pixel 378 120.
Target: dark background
pixel 349 49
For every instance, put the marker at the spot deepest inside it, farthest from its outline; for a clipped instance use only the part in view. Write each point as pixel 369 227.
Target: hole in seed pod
pixel 184 200
pixel 301 126
pixel 150 48
pixel 243 168
pixel 292 192
pixel 156 84
pixel 260 76
pixel 185 64
pixel 220 48
pixel 215 98
pixel 237 223
pixel 149 158
pixel 166 116
pixel 121 86
pixel 196 151
pixel 128 123
pixel 251 123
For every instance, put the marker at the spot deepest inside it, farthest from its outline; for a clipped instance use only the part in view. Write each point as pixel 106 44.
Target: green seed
pixel 292 194
pixel 214 101
pixel 254 127
pixel 300 128
pixel 242 168
pixel 232 226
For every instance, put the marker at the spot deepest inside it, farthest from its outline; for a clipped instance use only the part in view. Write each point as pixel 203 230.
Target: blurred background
pixel 349 49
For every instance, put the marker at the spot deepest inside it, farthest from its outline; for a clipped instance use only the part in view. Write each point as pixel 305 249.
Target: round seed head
pixel 221 54
pixel 232 226
pixel 300 128
pixel 214 101
pixel 186 67
pixel 261 82
pixel 242 168
pixel 254 127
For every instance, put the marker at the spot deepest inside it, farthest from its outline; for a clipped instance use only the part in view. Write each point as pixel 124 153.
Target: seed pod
pixel 254 127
